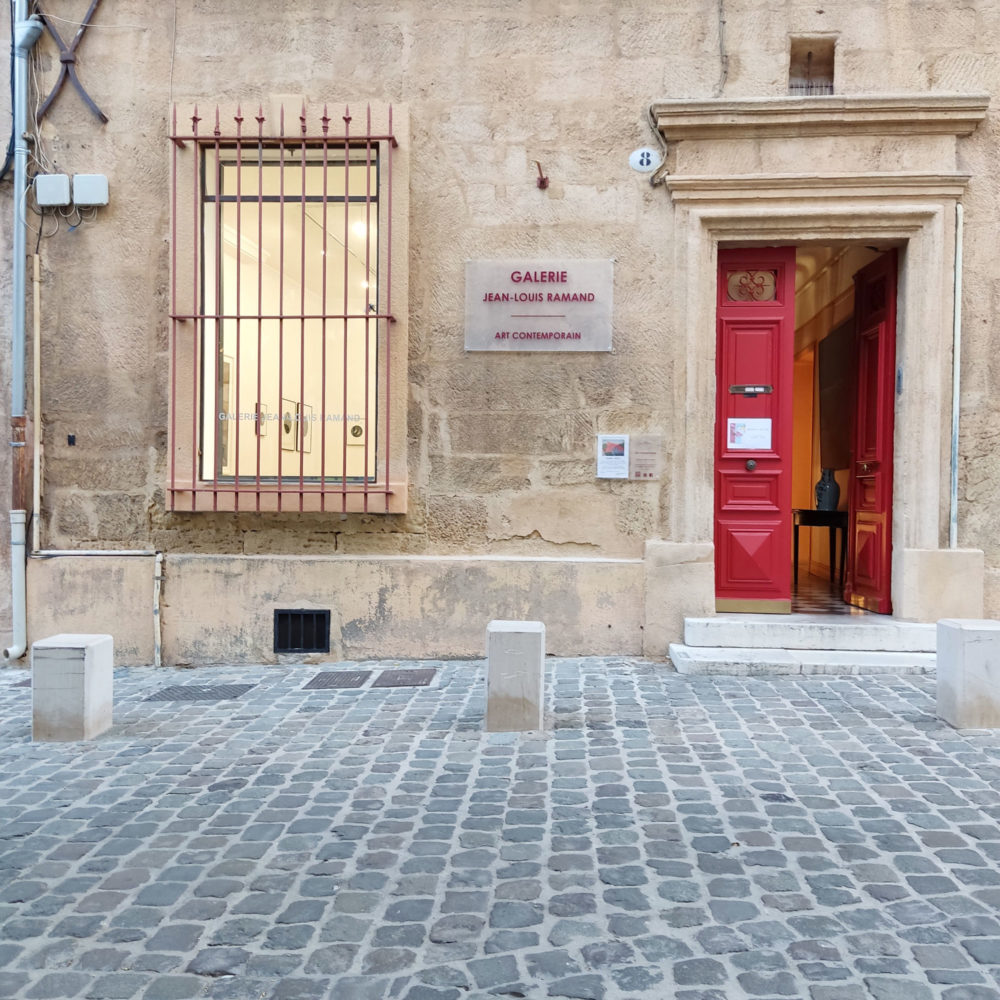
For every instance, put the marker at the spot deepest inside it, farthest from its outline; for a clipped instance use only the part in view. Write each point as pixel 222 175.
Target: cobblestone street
pixel 698 838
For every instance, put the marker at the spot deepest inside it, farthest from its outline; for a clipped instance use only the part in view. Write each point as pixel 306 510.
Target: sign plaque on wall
pixel 538 305
pixel 645 459
pixel 612 456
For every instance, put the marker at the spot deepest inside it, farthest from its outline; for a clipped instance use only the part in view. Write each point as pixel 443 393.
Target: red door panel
pixel 870 489
pixel 753 440
pixel 740 491
pixel 752 552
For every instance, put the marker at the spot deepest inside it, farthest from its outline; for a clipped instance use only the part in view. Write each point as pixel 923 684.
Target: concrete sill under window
pixel 289 499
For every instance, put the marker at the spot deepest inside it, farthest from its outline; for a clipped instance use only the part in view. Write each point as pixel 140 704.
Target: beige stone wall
pixel 501 446
pixel 110 594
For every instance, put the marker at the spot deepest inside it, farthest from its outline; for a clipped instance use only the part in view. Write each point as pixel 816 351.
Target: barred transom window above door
pixel 282 323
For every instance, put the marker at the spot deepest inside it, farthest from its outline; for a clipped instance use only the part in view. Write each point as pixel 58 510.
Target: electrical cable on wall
pixel 45 165
pixel 723 55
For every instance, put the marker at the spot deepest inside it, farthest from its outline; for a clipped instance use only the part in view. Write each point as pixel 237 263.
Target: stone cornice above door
pixel 832 115
pixel 791 187
pixel 837 136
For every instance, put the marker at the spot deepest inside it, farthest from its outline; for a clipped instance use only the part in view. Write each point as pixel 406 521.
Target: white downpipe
pixel 26 33
pixel 19 640
pixel 36 405
pixel 157 631
pixel 956 378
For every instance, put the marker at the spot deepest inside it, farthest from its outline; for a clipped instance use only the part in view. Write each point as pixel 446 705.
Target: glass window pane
pixel 289 375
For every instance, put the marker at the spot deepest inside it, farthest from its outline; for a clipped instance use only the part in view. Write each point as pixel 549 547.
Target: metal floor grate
pixel 338 679
pixel 198 692
pixel 404 678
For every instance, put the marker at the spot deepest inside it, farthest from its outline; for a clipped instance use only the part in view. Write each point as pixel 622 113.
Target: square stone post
pixel 968 672
pixel 72 687
pixel 515 675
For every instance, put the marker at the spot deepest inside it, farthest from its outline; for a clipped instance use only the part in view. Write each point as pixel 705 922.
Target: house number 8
pixel 645 159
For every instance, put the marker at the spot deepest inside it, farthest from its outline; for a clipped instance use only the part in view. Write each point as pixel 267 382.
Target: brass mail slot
pixel 750 390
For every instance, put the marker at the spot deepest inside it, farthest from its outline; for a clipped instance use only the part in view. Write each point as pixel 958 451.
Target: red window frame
pixel 198 443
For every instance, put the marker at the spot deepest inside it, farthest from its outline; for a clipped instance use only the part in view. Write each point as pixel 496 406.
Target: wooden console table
pixel 832 519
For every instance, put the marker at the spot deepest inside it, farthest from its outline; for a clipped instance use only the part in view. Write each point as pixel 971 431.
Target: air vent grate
pixel 301 631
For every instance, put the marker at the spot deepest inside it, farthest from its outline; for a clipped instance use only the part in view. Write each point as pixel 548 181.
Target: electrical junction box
pixel 90 189
pixel 51 190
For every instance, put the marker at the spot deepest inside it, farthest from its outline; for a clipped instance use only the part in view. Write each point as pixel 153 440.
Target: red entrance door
pixel 753 434
pixel 870 490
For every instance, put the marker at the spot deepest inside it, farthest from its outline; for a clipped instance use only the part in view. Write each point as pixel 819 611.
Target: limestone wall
pixel 501 446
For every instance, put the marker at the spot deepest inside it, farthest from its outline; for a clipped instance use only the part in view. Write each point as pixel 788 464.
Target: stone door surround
pixel 878 170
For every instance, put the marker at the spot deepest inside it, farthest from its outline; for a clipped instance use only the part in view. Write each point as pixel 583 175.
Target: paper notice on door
pixel 749 434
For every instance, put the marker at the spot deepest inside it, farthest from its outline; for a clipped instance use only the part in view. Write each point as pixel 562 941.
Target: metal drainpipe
pixel 26 33
pixel 956 378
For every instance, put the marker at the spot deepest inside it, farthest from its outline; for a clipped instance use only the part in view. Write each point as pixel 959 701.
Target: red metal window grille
pixel 281 314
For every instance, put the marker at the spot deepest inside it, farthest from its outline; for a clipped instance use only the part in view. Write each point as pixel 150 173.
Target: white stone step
pixel 747 661
pixel 812 632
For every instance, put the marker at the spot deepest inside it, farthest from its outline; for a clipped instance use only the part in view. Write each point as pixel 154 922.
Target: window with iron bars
pixel 282 335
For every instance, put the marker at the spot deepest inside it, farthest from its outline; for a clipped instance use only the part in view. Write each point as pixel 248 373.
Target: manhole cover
pixel 338 679
pixel 403 678
pixel 195 692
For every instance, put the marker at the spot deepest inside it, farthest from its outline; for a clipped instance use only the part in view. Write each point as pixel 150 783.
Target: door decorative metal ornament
pixel 753 439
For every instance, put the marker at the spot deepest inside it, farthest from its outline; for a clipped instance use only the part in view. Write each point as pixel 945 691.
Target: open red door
pixel 753 434
pixel 869 562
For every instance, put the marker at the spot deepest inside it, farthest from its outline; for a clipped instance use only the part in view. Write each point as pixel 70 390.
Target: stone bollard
pixel 515 671
pixel 968 672
pixel 72 687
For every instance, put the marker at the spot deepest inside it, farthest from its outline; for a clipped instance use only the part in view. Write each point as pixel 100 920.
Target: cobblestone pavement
pixel 697 838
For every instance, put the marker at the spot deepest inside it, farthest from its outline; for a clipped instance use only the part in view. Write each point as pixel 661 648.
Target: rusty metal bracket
pixel 67 70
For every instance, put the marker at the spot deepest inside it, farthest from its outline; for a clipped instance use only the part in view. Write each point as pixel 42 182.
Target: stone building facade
pixel 844 131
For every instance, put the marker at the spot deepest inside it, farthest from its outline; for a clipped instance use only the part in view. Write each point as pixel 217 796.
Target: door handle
pixel 751 464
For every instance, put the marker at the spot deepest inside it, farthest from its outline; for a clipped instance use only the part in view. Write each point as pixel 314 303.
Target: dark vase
pixel 827 491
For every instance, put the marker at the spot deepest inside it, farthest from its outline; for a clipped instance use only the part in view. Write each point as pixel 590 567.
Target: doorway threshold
pixel 804 644
pixel 816 595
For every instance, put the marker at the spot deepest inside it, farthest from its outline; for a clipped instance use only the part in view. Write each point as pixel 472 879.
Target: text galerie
pixel 539 277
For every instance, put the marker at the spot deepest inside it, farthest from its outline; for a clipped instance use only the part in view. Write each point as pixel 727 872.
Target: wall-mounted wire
pixel 23 205
pixel 46 165
pixel 723 54
pixel 102 27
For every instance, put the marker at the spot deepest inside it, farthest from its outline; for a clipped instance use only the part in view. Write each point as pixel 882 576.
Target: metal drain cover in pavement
pixel 196 692
pixel 338 679
pixel 403 678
